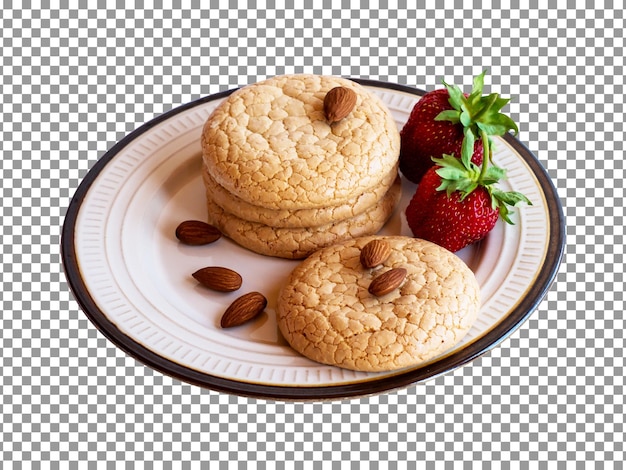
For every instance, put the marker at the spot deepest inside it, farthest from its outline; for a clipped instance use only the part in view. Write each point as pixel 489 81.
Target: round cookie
pixel 270 145
pixel 326 313
pixel 296 243
pixel 297 218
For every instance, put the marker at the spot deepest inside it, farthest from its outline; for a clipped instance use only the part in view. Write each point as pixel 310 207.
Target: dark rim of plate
pixel 479 346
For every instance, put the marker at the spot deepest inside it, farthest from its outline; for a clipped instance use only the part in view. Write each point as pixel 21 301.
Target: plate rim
pixel 476 348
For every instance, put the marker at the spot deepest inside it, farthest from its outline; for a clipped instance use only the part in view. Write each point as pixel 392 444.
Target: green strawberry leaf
pixel 451 115
pixel 492 129
pixel 466 119
pixel 493 175
pixel 456 175
pixel 450 161
pixel 497 124
pixel 456 96
pixel 477 88
pixel 467 146
pixel 463 185
pixel 448 173
pixel 499 104
pixel 502 199
pixel 483 105
pixel 512 198
pixel 505 214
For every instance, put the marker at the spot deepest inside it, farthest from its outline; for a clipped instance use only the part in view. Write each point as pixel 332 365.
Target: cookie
pixel 300 217
pixel 296 243
pixel 326 313
pixel 269 144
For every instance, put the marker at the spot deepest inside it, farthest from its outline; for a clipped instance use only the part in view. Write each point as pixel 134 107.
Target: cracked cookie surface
pixel 326 313
pixel 270 145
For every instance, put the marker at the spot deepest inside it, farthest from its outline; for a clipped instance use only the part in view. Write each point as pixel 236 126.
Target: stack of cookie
pixel 283 180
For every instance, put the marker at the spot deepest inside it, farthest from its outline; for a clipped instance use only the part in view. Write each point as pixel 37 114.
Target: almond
pixel 338 103
pixel 196 232
pixel 387 282
pixel 243 309
pixel 374 253
pixel 218 278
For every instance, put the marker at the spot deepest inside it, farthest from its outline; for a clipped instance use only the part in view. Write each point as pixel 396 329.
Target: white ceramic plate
pixel 133 278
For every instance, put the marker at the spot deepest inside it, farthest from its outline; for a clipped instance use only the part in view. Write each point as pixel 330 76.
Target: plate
pixel 132 278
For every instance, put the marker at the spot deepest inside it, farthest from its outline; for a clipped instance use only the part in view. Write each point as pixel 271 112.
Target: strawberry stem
pixel 486 155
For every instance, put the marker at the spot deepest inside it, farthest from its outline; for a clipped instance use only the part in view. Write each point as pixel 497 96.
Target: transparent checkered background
pixel 76 80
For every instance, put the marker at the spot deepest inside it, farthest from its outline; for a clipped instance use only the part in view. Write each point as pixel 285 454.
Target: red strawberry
pixel 456 203
pixel 447 220
pixel 423 137
pixel 446 121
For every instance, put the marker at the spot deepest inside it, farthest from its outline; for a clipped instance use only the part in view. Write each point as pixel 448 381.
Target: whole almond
pixel 196 232
pixel 374 253
pixel 218 278
pixel 243 309
pixel 387 282
pixel 338 103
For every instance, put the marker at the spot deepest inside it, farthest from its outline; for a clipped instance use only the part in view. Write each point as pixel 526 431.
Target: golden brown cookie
pixel 326 312
pixel 296 218
pixel 270 144
pixel 299 242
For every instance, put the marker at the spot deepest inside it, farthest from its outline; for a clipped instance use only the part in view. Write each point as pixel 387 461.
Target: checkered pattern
pixel 75 81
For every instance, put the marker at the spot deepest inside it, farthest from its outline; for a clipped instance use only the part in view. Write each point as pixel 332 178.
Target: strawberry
pixel 423 137
pixel 456 202
pixel 447 121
